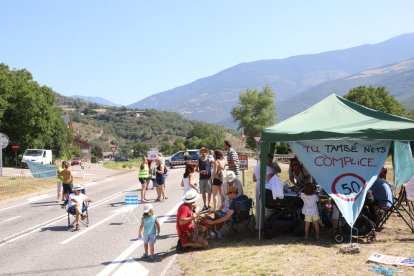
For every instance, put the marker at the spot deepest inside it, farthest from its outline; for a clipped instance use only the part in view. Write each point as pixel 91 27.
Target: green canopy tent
pixel 333 118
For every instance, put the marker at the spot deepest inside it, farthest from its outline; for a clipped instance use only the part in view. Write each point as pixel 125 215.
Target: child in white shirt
pixel 310 209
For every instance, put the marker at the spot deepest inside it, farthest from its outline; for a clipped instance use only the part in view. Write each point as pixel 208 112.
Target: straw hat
pixel 191 196
pixel 230 176
pixel 203 150
pixel 77 188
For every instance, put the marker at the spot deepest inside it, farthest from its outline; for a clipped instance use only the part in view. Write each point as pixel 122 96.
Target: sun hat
pixel 203 150
pixel 190 196
pixel 147 207
pixel 230 176
pixel 77 188
pixel 232 189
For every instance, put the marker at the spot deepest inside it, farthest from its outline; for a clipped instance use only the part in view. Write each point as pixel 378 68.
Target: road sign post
pixel 244 164
pixel 15 147
pixel 4 142
pixel 113 149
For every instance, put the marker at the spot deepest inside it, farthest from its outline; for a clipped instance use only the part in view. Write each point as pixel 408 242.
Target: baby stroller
pixel 364 228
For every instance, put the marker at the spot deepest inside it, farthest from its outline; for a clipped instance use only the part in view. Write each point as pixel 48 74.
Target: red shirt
pixel 184 212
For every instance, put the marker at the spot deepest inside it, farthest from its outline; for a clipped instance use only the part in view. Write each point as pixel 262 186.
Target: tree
pixel 140 149
pixel 29 116
pixel 255 112
pixel 376 98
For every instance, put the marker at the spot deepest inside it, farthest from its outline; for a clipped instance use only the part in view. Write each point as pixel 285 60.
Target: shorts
pixel 142 180
pixel 59 187
pixel 217 182
pixel 151 238
pixel 205 186
pixel 311 218
pixel 67 188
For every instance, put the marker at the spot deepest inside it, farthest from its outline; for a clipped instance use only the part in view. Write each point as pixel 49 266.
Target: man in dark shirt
pixel 204 168
pixel 231 214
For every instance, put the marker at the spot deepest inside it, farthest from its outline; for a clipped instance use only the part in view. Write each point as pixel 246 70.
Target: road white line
pixel 14 206
pixel 50 222
pixel 127 252
pixel 9 219
pixel 85 230
pixel 36 198
pixel 167 267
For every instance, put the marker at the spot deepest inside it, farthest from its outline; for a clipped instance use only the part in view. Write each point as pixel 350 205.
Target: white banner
pixel 344 169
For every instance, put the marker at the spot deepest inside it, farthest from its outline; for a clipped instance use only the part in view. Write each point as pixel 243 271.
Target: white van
pixel 41 156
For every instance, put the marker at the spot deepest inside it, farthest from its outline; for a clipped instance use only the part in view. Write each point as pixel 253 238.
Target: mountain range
pixel 97 100
pixel 297 81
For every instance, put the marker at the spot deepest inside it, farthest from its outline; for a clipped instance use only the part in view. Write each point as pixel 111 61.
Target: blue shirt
pixel 149 225
pixel 382 193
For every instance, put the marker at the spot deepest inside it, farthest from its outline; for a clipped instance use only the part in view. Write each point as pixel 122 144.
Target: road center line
pixel 9 219
pixel 127 252
pixel 85 230
pixel 38 227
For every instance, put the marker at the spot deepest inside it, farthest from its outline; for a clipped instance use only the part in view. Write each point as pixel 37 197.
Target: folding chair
pixel 84 216
pixel 131 202
pixel 401 206
pixel 243 215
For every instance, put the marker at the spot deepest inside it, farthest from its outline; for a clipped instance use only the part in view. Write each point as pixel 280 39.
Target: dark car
pixel 121 159
pixel 179 159
pixel 76 161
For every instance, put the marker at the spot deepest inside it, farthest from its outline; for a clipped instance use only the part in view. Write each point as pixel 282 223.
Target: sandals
pixel 77 228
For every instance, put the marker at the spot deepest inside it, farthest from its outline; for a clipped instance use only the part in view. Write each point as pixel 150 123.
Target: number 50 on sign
pixel 348 186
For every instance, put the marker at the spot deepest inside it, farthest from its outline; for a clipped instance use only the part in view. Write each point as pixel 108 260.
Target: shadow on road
pixel 55 228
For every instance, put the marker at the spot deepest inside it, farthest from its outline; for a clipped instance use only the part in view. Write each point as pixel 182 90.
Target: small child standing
pixel 151 226
pixel 310 209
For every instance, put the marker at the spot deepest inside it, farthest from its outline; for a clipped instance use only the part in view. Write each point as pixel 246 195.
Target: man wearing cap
pixel 231 214
pixel 231 181
pixel 232 158
pixel 204 168
pixel 75 203
pixel 187 231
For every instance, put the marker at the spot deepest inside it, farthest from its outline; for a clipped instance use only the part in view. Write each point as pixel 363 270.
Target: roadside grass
pixel 127 165
pixel 290 255
pixel 11 187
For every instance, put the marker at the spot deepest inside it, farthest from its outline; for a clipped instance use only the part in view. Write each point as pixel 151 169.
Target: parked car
pixel 178 159
pixel 121 159
pixel 76 161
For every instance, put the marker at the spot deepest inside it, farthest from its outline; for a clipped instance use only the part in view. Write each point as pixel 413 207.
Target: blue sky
pixel 125 51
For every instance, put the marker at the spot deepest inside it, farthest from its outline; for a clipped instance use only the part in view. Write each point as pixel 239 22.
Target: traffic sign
pixel 15 146
pixel 113 148
pixel 244 161
pixel 257 138
pixel 4 140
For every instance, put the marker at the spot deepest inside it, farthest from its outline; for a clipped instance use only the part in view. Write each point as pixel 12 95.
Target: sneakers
pixel 145 255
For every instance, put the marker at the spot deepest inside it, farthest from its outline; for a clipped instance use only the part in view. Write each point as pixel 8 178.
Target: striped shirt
pixel 232 155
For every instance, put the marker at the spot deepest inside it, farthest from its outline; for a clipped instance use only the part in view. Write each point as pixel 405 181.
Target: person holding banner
pixel 298 175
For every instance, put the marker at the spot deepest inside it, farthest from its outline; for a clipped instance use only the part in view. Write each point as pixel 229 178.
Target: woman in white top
pixel 189 177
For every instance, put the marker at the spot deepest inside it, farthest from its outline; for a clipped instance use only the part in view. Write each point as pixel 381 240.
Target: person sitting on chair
pixel 231 213
pixel 75 203
pixel 381 191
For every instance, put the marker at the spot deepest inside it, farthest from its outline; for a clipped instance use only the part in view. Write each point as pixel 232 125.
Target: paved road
pixel 35 240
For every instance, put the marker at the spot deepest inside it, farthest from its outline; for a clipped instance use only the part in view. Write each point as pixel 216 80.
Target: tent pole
pixel 264 149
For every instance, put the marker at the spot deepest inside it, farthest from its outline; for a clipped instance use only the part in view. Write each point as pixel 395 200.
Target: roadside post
pixel 4 142
pixel 244 164
pixel 15 147
pixel 113 149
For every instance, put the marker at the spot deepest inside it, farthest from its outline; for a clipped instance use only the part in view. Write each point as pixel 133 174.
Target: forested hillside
pixel 135 131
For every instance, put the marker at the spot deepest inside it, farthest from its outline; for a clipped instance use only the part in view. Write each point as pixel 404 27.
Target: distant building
pixel 86 149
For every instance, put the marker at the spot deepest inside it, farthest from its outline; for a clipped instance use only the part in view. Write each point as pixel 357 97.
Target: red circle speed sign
pixel 348 186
